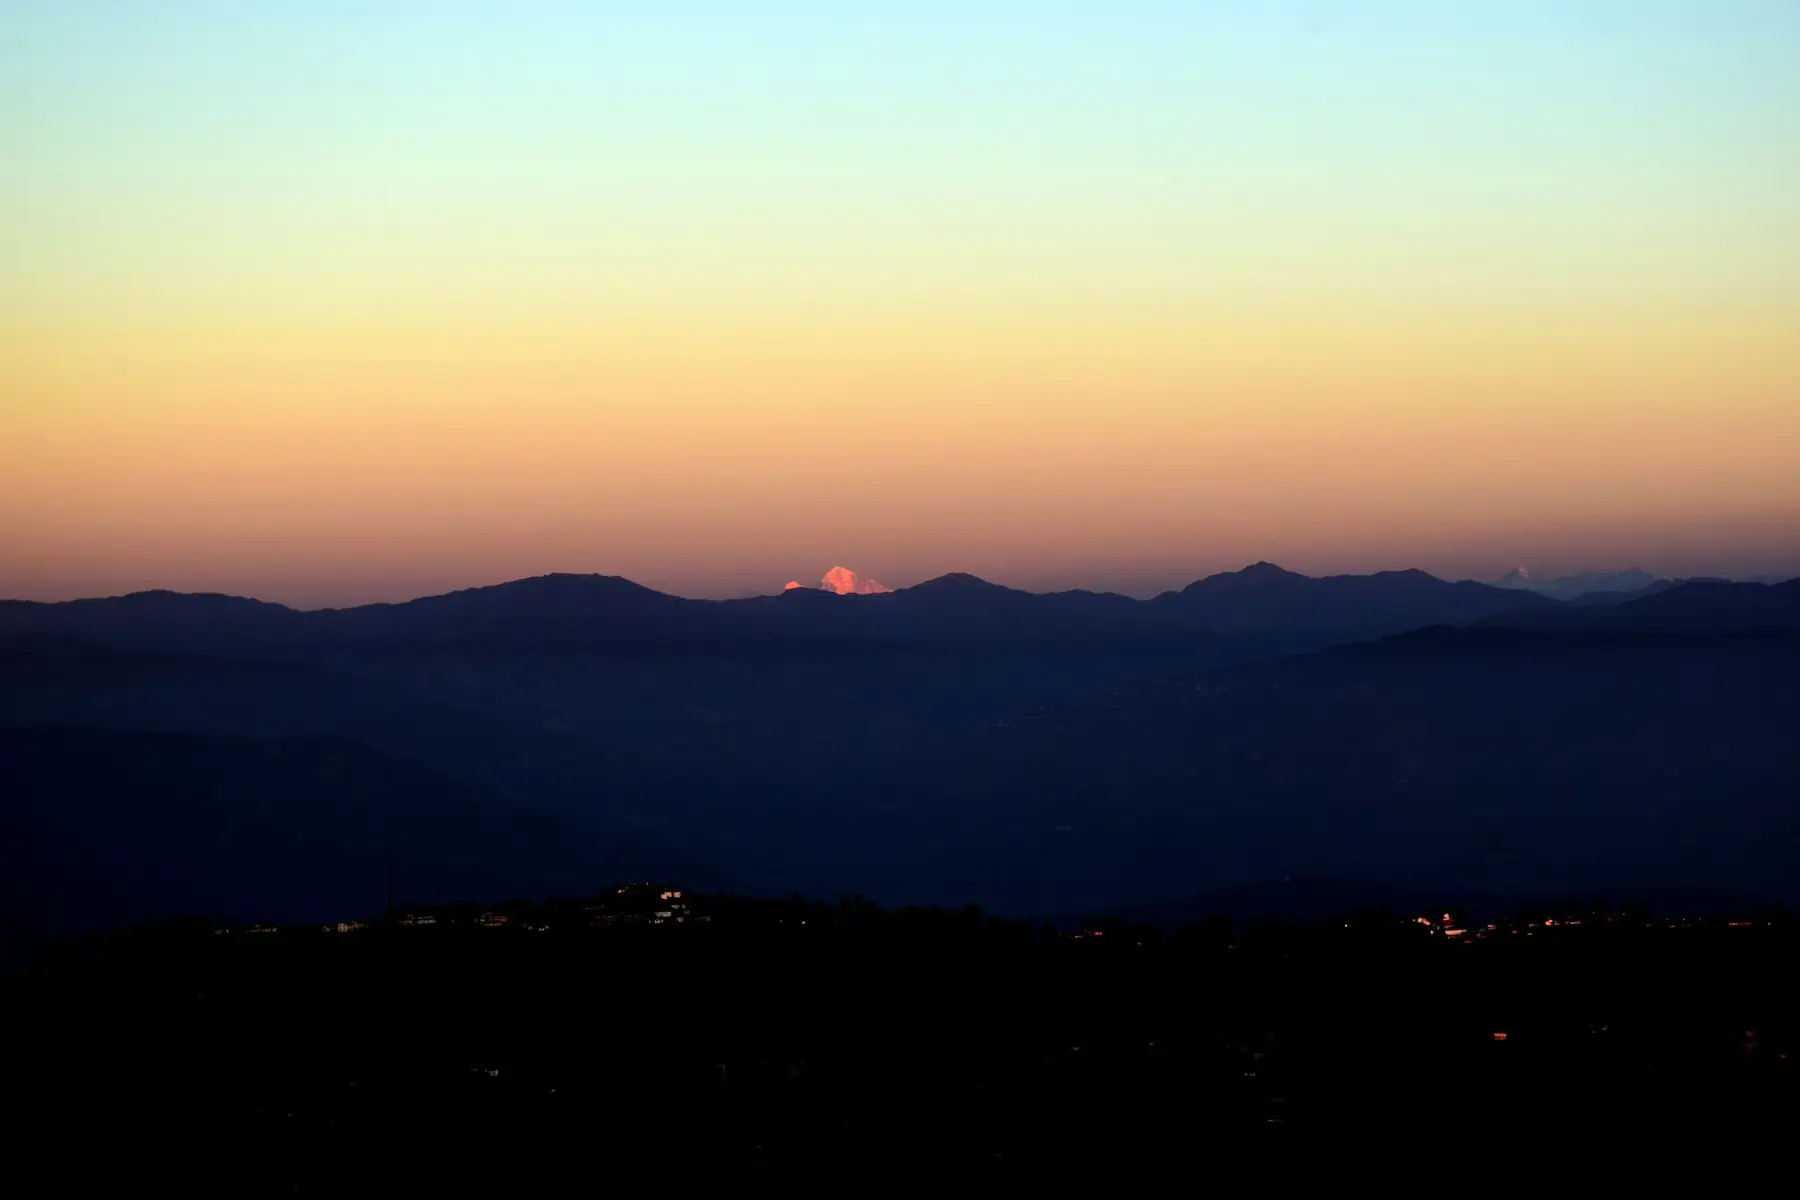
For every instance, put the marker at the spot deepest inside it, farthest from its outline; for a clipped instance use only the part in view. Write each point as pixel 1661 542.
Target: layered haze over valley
pixel 953 742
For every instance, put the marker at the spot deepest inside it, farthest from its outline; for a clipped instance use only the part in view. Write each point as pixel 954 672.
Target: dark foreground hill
pixel 103 828
pixel 1465 759
pixel 59 683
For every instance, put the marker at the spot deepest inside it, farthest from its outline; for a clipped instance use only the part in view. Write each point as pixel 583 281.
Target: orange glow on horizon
pixel 1054 455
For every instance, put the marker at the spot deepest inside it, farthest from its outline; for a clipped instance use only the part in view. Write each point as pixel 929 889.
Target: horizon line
pixel 1763 578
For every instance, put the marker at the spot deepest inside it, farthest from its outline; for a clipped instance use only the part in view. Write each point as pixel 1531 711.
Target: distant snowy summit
pixel 845 582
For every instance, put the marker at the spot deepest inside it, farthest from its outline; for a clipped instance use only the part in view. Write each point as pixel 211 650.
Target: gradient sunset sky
pixel 330 302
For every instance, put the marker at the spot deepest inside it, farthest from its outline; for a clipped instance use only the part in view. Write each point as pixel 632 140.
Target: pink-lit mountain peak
pixel 846 582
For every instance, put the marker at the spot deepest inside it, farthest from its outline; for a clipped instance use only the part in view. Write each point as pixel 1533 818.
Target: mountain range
pixel 1571 587
pixel 953 741
pixel 607 610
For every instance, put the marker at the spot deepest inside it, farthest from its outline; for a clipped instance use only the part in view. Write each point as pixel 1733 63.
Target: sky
pixel 330 302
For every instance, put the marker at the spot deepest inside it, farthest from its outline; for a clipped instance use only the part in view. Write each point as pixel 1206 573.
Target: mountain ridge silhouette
pixel 613 608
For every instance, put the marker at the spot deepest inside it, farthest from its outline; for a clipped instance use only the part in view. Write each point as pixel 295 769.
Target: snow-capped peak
pixel 846 582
